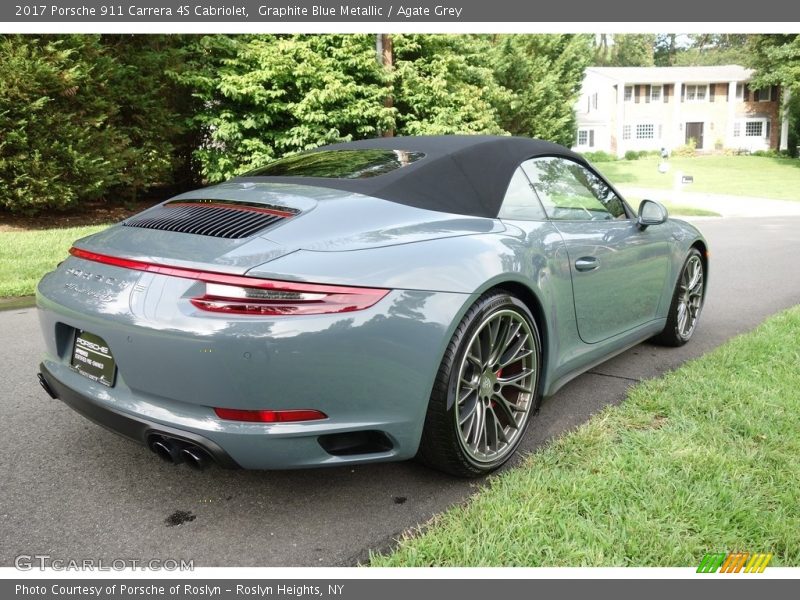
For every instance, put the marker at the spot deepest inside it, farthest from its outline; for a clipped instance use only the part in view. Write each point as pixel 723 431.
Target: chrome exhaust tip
pixel 196 458
pixel 167 450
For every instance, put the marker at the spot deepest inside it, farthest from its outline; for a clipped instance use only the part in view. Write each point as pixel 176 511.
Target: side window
pixel 520 201
pixel 571 192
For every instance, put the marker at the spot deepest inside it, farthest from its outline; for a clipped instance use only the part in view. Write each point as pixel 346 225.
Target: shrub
pixel 599 157
pixel 686 150
pixel 55 142
pixel 766 153
pixel 631 155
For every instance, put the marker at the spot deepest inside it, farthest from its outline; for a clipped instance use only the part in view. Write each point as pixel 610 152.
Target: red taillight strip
pixel 224 278
pixel 269 416
pixel 270 211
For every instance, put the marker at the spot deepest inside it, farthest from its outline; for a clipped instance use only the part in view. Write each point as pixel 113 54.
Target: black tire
pixel 674 333
pixel 443 446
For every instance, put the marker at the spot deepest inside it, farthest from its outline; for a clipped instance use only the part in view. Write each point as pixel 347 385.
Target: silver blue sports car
pixel 361 302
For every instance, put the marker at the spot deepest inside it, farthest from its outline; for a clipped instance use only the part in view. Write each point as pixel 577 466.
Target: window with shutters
pixel 762 95
pixel 696 93
pixel 655 93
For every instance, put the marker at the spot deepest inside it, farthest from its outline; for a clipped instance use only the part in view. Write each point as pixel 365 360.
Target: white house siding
pixel 665 105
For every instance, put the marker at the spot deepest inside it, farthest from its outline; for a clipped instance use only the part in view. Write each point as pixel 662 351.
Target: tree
pixel 444 84
pixel 151 111
pixel 713 49
pixel 665 49
pixel 265 96
pixel 624 50
pixel 544 75
pixel 86 116
pixel 56 143
pixel 776 60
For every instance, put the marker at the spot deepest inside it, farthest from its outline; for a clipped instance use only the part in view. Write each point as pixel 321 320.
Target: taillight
pixel 285 299
pixel 269 416
pixel 236 294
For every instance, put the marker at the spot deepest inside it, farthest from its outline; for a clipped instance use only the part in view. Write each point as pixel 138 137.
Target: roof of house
pixel 461 174
pixel 673 74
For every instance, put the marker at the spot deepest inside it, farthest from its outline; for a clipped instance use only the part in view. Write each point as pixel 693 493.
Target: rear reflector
pixel 269 416
pixel 237 294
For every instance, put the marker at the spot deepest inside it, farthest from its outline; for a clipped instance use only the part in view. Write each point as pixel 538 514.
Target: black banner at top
pixel 392 11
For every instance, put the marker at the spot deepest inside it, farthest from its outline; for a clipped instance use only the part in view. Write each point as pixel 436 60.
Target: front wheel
pixel 486 388
pixel 687 302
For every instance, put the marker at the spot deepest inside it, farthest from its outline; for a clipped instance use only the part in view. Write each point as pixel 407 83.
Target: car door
pixel 618 270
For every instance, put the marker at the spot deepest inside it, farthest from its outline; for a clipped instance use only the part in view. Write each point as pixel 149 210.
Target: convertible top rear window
pixel 339 164
pixel 457 174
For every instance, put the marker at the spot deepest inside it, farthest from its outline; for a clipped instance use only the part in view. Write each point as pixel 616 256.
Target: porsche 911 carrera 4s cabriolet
pixel 367 301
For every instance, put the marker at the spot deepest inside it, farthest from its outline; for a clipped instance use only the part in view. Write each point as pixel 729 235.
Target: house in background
pixel 649 108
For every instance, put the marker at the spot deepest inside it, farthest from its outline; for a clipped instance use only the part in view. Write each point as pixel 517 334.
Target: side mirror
pixel 651 213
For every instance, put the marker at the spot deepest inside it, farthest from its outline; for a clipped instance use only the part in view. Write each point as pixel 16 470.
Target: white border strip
pixel 330 573
pixel 393 27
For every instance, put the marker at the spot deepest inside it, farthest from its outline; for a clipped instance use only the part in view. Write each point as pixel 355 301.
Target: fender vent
pixel 215 218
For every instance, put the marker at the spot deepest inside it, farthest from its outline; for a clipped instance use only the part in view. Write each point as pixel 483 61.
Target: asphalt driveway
pixel 73 490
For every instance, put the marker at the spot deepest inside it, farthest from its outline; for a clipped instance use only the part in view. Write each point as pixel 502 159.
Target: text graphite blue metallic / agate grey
pixel 367 301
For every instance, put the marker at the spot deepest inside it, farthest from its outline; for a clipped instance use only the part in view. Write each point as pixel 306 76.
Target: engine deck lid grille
pixel 215 218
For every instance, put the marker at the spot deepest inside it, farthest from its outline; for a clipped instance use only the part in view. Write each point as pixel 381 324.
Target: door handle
pixel 586 263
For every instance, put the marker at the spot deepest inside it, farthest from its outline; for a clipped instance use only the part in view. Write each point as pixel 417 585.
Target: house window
pixel 737 129
pixel 628 93
pixel 626 132
pixel 762 95
pixel 645 131
pixel 586 137
pixel 753 128
pixel 655 93
pixel 739 91
pixel 696 93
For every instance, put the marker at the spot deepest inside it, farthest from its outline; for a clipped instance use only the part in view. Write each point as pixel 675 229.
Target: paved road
pixel 725 205
pixel 72 490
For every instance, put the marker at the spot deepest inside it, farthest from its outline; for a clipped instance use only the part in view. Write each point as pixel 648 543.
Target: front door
pixel 695 131
pixel 618 271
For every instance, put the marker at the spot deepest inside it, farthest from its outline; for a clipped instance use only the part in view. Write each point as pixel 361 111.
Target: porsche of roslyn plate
pixel 369 301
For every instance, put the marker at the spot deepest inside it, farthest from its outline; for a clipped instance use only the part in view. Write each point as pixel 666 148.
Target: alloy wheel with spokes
pixel 486 389
pixel 495 386
pixel 687 302
pixel 690 298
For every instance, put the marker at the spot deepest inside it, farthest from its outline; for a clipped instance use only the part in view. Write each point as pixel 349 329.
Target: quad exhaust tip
pixel 177 451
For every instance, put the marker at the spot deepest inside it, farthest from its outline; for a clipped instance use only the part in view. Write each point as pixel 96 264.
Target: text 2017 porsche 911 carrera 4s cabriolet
pixel 366 301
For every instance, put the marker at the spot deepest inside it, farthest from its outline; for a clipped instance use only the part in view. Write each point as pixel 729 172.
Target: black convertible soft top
pixel 461 174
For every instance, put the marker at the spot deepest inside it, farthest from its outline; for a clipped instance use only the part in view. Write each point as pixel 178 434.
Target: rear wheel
pixel 486 388
pixel 687 302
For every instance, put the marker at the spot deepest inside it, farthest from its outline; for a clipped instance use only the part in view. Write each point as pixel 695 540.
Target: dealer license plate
pixel 92 358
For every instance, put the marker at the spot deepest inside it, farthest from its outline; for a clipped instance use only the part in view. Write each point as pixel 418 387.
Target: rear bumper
pixel 371 371
pixel 134 428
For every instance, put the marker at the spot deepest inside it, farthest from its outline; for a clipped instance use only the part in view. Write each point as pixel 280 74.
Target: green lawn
pixel 777 178
pixel 705 459
pixel 27 255
pixel 679 210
